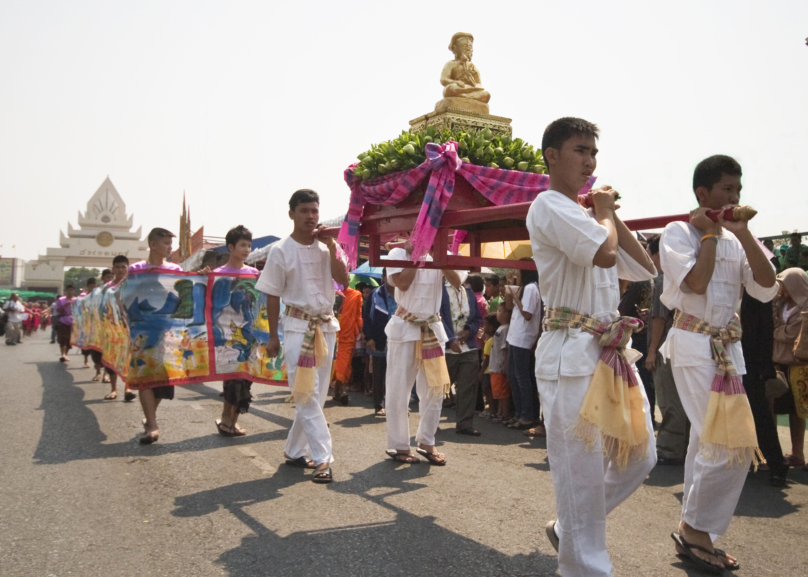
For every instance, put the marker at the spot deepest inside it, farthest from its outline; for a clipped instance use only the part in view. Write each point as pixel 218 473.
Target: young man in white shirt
pixel 706 263
pixel 419 293
pixel 579 254
pixel 301 270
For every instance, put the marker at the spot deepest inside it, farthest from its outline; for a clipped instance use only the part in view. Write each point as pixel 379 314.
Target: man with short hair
pixel 380 308
pixel 89 287
pixel 415 340
pixel 459 306
pixel 120 268
pixel 795 251
pixel 706 265
pixel 63 321
pixel 600 451
pixel 301 270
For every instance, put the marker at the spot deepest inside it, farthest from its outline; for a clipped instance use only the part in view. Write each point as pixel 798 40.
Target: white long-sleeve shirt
pixel 565 237
pixel 678 251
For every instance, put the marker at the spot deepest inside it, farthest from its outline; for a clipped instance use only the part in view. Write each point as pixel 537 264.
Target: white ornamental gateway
pixel 104 232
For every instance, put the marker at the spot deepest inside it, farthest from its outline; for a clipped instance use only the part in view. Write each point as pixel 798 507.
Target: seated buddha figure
pixel 461 79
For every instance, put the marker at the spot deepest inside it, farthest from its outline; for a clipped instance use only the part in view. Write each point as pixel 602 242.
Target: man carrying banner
pixel 160 244
pixel 236 392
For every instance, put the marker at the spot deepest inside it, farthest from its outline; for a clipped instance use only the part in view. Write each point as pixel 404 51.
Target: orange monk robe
pixel 350 325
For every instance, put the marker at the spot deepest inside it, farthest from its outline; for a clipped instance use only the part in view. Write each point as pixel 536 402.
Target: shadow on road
pixel 408 545
pixel 70 430
pixel 68 425
pixel 759 499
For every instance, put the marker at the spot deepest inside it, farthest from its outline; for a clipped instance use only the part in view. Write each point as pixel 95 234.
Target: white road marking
pixel 257 460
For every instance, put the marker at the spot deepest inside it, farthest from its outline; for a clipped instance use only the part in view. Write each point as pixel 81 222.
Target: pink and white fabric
pixel 442 163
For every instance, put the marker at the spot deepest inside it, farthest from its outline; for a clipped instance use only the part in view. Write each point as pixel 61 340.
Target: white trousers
pixel 712 488
pixel 309 432
pixel 402 370
pixel 588 484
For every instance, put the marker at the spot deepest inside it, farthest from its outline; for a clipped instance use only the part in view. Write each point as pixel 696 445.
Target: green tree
pixel 78 276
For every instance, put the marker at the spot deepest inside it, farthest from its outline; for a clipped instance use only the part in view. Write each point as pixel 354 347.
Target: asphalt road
pixel 80 496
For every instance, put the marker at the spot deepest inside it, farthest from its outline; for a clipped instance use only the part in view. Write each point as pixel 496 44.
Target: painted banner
pixel 175 328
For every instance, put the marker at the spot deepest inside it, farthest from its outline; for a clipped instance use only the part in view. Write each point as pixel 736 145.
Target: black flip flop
pixel 432 457
pixel 301 462
pixel 406 458
pixel 149 439
pixel 323 476
pixel 688 548
pixel 129 396
pixel 721 553
pixel 222 431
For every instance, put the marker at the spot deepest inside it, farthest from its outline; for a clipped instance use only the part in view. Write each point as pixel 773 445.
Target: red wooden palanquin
pixel 470 211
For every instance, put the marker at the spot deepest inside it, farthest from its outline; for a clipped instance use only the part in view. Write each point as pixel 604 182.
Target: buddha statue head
pixel 462 46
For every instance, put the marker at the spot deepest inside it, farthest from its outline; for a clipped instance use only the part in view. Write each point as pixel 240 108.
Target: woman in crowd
pixel 791 355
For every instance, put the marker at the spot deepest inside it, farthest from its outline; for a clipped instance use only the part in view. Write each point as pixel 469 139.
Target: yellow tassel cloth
pixel 313 354
pixel 612 410
pixel 729 428
pixel 429 351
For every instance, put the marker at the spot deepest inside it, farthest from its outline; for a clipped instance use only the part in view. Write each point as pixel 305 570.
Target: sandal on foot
pixel 238 431
pixel 96 378
pixel 537 431
pixel 438 459
pixel 129 396
pixel 549 528
pixel 688 549
pixel 224 430
pixel 112 396
pixel 381 413
pixel 323 476
pixel 301 462
pixel 407 458
pixel 730 566
pixel 149 439
pixel 794 462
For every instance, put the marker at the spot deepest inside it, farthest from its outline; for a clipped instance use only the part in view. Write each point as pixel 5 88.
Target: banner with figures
pixel 174 328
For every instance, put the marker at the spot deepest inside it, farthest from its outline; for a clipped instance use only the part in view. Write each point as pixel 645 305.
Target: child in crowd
pixel 490 325
pixel 492 292
pixel 498 364
pixel 236 392
pixel 476 283
pixel 160 245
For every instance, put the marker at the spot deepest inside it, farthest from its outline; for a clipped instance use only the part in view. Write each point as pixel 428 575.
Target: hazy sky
pixel 241 103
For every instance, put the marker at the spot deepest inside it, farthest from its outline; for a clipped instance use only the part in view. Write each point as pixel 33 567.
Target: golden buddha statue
pixel 461 79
